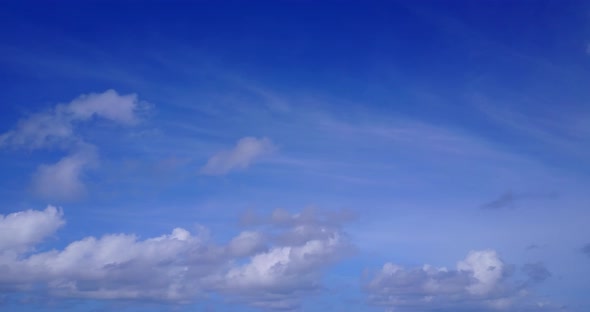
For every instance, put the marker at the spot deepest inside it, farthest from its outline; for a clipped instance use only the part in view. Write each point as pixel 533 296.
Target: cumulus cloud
pixel 480 282
pixel 277 276
pixel 20 231
pixel 109 105
pixel 252 268
pixel 247 151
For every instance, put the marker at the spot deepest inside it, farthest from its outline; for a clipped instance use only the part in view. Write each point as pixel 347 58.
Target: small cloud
pixel 20 231
pixel 108 105
pixel 536 272
pixel 532 247
pixel 505 200
pixel 56 126
pixel 586 249
pixel 247 151
pixel 63 180
pixel 509 199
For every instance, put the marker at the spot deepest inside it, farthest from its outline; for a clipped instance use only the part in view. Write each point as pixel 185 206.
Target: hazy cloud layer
pixel 253 268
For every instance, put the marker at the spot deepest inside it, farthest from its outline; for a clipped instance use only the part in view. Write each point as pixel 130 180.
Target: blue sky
pixel 262 156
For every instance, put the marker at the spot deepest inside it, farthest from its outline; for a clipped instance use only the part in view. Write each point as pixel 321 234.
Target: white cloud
pixel 109 105
pixel 247 151
pixel 181 265
pixel 284 271
pixel 479 283
pixel 39 130
pixel 22 230
pixel 486 269
pixel 63 180
pixel 246 243
pixel 57 125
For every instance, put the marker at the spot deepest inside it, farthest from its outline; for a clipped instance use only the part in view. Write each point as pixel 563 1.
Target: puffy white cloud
pixel 109 105
pixel 247 151
pixel 479 283
pixel 485 267
pixel 22 230
pixel 284 267
pixel 178 267
pixel 57 125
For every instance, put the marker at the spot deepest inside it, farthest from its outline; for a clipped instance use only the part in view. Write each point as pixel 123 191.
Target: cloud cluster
pixel 480 282
pixel 254 268
pixel 247 151
pixel 56 128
